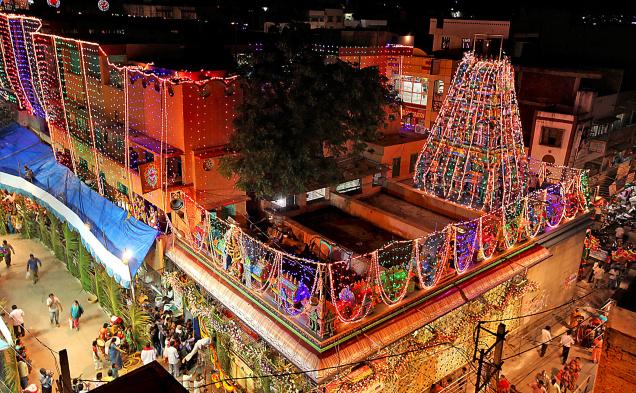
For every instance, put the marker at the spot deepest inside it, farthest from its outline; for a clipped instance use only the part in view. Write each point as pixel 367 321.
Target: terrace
pixel 349 283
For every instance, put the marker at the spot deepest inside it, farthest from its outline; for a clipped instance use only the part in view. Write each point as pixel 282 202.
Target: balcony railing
pixel 324 297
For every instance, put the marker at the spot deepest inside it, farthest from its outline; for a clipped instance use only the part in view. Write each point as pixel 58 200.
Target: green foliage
pixel 84 261
pixel 139 321
pixel 56 238
pixel 109 294
pixel 3 221
pixel 71 240
pixel 301 113
pixel 222 351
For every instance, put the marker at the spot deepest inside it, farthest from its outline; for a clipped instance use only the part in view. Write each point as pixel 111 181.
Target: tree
pixel 301 113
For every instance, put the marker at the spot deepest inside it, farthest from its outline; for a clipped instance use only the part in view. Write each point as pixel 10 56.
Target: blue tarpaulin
pixel 112 226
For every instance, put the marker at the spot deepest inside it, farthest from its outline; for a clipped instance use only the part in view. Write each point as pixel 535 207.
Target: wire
pixel 540 312
pixel 278 375
pixel 53 352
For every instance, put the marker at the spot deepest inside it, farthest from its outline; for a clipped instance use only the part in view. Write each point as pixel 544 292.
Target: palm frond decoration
pixel 139 322
pixel 112 298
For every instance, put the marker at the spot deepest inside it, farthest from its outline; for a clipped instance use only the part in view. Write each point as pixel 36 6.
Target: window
pixel 228 211
pixel 412 90
pixel 349 186
pixel 92 66
pixel 116 79
pixel 83 164
pixel 378 179
pixel 413 162
pixel 330 19
pixel 76 65
pixel 316 194
pixel 395 170
pixel 122 188
pixel 439 87
pixel 548 158
pixel 465 43
pixel 445 42
pixel 552 137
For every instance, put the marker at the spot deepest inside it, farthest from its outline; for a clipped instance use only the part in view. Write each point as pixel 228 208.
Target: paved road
pixel 54 277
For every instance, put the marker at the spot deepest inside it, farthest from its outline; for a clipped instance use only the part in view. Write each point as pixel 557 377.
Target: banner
pixel 149 177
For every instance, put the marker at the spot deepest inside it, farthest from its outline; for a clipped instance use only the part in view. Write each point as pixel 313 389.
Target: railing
pixel 585 386
pixel 316 292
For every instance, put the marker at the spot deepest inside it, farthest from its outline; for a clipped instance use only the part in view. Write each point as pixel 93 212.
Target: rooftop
pixel 354 233
pixel 398 138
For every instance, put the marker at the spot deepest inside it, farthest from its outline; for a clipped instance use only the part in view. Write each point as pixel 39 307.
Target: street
pixel 54 278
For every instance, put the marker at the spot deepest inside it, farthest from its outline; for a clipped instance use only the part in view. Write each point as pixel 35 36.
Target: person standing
pixel 597 348
pixel 566 342
pixel 148 354
pixel 599 273
pixel 76 313
pixel 8 250
pixel 33 266
pixel 23 371
pixel 17 318
pixel 97 356
pixel 546 337
pixel 504 385
pixel 114 355
pixel 46 380
pixel 537 387
pixel 172 355
pixel 613 278
pixel 55 307
pixel 554 386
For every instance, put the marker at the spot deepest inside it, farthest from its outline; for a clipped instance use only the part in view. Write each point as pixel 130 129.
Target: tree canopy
pixel 301 113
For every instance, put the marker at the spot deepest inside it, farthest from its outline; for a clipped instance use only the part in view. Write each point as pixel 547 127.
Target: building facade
pixel 453 35
pixel 333 292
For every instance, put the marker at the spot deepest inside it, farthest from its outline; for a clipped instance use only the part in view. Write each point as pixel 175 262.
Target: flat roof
pixel 353 233
pixel 398 139
pixel 418 216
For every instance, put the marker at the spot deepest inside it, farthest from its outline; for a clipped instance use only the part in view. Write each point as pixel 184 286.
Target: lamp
pixel 125 258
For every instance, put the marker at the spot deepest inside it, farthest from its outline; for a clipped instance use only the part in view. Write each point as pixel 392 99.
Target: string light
pixel 485 169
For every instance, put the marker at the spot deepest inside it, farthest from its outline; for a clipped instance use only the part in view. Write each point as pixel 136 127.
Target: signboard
pixel 149 177
pixel 599 254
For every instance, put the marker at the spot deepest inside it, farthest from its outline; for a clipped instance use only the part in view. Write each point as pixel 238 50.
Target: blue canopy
pixel 112 226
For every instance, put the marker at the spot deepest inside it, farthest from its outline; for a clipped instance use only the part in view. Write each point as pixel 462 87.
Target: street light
pixel 127 254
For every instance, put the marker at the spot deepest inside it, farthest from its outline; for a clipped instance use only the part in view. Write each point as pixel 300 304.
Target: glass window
pixel 349 186
pixel 412 90
pixel 445 42
pixel 395 170
pixel 92 66
pixel 551 136
pixel 316 194
pixel 228 211
pixel 76 65
pixel 413 162
pixel 439 87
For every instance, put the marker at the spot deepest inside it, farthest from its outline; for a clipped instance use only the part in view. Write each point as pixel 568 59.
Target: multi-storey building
pixel 454 35
pixel 420 80
pixel 358 291
pixel 587 122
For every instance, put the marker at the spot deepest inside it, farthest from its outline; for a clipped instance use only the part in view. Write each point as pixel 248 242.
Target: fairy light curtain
pixel 474 154
pixel 474 157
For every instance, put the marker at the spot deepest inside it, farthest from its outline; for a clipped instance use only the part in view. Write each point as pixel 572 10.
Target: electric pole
pixel 495 366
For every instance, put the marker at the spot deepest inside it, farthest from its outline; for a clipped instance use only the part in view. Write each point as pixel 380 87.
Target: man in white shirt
pixel 546 337
pixel 55 307
pixel 148 354
pixel 172 354
pixel 566 342
pixel 17 318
